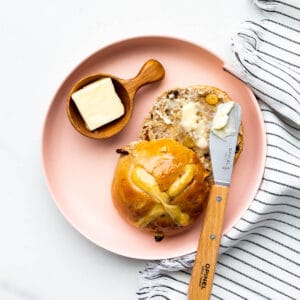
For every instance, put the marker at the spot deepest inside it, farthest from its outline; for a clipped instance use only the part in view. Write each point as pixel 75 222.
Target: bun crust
pixel 159 186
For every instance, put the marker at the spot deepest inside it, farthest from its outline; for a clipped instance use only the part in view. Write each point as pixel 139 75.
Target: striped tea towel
pixel 261 254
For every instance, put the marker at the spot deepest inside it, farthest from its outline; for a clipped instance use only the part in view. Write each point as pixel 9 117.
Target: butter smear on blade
pixel 98 103
pixel 220 125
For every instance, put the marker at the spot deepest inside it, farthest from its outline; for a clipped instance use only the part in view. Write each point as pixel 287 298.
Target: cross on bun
pixel 159 186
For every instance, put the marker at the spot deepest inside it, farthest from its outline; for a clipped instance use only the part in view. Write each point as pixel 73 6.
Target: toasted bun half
pixel 174 110
pixel 159 186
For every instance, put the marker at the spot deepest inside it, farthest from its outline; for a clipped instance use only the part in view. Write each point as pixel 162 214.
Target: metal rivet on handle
pixel 219 198
pixel 212 236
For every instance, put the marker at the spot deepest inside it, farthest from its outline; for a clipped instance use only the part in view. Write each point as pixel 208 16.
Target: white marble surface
pixel 41 256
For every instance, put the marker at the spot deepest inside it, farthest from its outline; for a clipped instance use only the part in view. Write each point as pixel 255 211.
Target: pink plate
pixel 79 170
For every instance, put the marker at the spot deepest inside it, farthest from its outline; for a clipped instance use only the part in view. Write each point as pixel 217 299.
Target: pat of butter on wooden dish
pixel 98 103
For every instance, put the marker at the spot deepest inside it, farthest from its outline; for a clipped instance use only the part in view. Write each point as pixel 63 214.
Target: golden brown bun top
pixel 165 159
pixel 159 185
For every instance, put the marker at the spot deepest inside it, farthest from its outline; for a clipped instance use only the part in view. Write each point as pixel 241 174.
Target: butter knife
pixel 222 151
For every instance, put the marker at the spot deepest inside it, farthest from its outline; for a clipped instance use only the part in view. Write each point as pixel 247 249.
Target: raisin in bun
pixel 159 186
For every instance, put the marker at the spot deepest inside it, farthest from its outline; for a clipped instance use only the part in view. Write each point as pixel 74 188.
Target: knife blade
pixel 222 151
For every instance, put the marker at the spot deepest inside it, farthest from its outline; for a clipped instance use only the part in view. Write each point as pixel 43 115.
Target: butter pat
pixel 98 103
pixel 189 116
pixel 192 123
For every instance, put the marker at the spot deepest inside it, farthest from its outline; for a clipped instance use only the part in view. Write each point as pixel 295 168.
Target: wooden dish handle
pixel 208 247
pixel 151 71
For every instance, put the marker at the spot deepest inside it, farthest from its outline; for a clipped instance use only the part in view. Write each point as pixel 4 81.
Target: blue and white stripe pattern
pixel 261 254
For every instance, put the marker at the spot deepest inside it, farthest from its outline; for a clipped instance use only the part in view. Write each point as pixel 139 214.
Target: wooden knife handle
pixel 208 248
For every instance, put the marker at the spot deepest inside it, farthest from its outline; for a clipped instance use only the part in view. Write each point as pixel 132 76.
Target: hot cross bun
pixel 159 186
